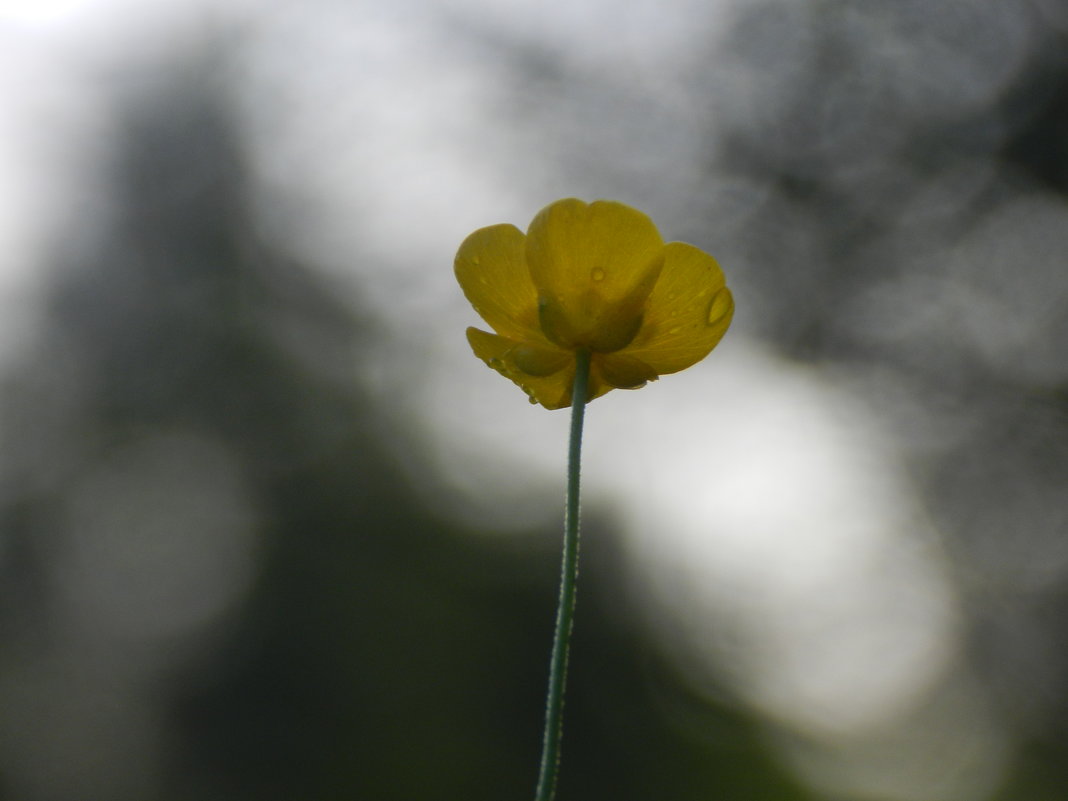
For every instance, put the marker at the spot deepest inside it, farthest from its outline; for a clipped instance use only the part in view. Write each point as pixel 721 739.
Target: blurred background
pixel 268 530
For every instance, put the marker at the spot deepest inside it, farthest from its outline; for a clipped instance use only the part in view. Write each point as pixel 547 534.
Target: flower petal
pixel 621 371
pixel 593 266
pixel 492 271
pixel 687 313
pixel 552 391
pixel 538 361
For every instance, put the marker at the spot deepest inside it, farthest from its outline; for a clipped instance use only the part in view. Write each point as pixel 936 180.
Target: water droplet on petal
pixel 721 304
pixel 597 274
pixel 675 330
pixel 532 401
pixel 475 260
pixel 495 363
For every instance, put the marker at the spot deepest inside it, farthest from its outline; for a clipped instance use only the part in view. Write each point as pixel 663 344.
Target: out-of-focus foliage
pixel 219 573
pixel 901 169
pixel 218 584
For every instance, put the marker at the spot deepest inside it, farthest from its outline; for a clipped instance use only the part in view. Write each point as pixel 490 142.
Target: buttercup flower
pixel 596 277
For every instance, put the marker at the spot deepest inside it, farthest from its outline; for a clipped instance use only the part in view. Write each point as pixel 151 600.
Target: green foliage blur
pixel 380 652
pixel 220 574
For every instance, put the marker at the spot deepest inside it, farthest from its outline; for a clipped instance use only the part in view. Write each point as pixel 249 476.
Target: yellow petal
pixel 687 313
pixel 624 372
pixel 597 385
pixel 492 271
pixel 593 266
pixel 552 391
pixel 538 361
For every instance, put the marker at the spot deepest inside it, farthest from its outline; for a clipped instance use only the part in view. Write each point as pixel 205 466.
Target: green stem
pixel 565 612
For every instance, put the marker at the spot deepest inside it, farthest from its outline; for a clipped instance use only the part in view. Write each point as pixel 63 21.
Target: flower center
pixel 597 325
pixel 601 313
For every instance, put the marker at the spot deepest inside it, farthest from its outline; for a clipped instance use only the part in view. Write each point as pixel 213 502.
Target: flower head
pixel 594 277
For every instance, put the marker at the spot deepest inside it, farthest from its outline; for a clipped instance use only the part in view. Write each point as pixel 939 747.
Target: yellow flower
pixel 594 277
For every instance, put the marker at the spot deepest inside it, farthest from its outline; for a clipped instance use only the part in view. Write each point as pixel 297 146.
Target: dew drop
pixel 597 274
pixel 475 260
pixel 720 306
pixel 532 401
pixel 675 330
pixel 495 363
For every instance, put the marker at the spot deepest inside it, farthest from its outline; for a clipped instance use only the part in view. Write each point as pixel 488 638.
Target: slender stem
pixel 565 612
